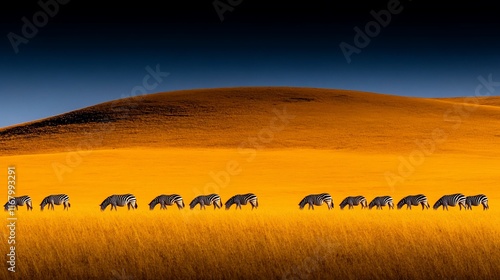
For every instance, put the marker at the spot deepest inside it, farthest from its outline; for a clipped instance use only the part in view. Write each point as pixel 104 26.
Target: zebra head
pixel 104 204
pixel 228 204
pixel 42 205
pixel 372 203
pixel 193 203
pixel 437 204
pixel 152 205
pixel 302 203
pixel 343 203
pixel 6 206
pixel 401 203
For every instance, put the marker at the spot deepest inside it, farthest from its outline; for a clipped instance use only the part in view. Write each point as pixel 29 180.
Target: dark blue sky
pixel 88 53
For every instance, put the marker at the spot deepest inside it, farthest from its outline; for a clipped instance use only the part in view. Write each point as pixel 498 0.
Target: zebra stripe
pixel 354 201
pixel 243 199
pixel 56 199
pixel 382 201
pixel 120 200
pixel 450 200
pixel 316 199
pixel 476 200
pixel 414 200
pixel 165 200
pixel 18 201
pixel 206 200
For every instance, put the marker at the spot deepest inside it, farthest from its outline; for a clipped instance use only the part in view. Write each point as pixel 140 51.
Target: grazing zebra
pixel 316 199
pixel 414 200
pixel 243 199
pixel 120 200
pixel 476 200
pixel 165 200
pixel 206 200
pixel 19 201
pixel 382 201
pixel 450 200
pixel 354 201
pixel 56 199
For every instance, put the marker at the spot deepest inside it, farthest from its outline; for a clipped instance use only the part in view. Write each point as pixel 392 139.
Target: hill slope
pixel 237 117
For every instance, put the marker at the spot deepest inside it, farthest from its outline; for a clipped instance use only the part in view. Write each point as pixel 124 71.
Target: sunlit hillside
pixel 337 120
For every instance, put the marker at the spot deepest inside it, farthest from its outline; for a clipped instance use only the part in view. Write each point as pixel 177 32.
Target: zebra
pixel 476 200
pixel 381 201
pixel 120 200
pixel 243 199
pixel 450 200
pixel 316 199
pixel 165 200
pixel 414 200
pixel 56 199
pixel 206 200
pixel 19 201
pixel 354 201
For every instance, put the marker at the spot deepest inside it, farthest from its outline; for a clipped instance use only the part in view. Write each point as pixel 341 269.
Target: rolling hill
pixel 234 117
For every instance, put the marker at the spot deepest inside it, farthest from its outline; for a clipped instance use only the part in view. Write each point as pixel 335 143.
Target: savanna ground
pixel 345 144
pixel 273 242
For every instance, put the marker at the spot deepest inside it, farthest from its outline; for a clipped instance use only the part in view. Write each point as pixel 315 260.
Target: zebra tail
pixel 257 203
pixel 136 205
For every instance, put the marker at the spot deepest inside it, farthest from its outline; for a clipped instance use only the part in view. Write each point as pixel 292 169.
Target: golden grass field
pixel 341 142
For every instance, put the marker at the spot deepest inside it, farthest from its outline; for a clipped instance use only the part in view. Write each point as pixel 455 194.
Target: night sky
pixel 87 53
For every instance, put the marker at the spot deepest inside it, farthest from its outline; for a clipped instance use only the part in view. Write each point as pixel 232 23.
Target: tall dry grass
pixel 272 243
